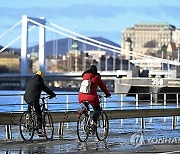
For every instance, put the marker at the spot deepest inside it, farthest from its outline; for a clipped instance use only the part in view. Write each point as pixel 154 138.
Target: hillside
pixel 64 45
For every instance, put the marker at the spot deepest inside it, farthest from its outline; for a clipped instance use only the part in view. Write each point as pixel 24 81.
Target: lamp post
pixel 163 48
pixel 178 52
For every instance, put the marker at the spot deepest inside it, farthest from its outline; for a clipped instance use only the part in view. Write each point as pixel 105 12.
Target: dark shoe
pixel 41 133
pixel 80 112
pixel 93 124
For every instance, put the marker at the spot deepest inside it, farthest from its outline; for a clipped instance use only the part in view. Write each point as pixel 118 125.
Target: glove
pixel 53 95
pixel 108 95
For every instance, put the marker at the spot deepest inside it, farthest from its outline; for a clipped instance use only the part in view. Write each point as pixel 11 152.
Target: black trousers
pixel 97 111
pixel 38 113
pixel 96 114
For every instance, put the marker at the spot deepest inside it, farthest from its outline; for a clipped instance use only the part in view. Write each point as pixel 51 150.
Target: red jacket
pixel 95 82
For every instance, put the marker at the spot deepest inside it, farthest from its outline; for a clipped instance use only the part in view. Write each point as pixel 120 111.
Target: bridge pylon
pixel 24 45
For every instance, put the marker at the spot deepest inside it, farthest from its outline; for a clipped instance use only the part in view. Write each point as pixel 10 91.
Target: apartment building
pixel 9 62
pixel 176 37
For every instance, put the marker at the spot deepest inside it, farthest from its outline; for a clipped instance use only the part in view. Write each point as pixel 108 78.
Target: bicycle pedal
pixel 36 128
pixel 41 134
pixel 92 131
pixel 27 117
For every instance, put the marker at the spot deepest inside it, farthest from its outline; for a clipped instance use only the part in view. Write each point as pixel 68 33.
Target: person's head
pixel 93 68
pixel 40 73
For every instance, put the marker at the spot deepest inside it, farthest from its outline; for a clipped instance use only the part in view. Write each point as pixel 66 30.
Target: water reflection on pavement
pixel 123 138
pixel 41 146
pixel 55 146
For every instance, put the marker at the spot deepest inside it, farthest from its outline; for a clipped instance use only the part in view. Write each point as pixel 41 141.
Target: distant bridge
pixel 71 76
pixel 42 24
pixel 137 58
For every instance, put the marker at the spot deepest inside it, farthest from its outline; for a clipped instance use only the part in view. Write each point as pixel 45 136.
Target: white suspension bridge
pixel 28 23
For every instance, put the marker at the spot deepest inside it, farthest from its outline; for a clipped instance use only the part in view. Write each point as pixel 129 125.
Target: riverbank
pixel 52 88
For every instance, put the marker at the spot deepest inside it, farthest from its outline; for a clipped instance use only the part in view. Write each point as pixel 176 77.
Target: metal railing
pixel 117 107
pixel 69 102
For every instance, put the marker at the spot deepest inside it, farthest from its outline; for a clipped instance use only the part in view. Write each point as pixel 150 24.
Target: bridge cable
pixel 98 42
pixel 13 41
pixel 75 38
pixel 11 28
pixel 115 49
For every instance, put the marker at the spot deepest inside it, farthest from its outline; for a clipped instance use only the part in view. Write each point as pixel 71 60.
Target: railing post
pixel 105 102
pixel 177 101
pixel 121 101
pixel 173 122
pixel 67 102
pixel 67 107
pixel 151 104
pixel 137 104
pixel 60 129
pixel 121 106
pixel 142 123
pixel 164 105
pixel 164 100
pixel 22 102
pixel 46 103
pixel 8 132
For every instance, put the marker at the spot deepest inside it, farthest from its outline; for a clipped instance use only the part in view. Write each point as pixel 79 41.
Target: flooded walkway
pixel 126 137
pixel 112 145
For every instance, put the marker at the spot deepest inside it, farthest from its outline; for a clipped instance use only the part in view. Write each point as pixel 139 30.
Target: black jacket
pixel 34 88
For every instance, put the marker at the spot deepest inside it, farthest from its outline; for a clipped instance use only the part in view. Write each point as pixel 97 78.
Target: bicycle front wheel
pixel 48 125
pixel 26 126
pixel 82 128
pixel 102 128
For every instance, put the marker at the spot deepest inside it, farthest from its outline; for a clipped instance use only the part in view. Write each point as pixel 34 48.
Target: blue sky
pixel 106 18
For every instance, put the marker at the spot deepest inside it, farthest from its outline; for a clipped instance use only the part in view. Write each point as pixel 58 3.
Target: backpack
pixel 85 86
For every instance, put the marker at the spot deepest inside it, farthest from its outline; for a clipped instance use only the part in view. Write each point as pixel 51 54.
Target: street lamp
pixel 164 49
pixel 178 52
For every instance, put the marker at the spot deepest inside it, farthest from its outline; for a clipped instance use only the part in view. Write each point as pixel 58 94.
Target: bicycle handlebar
pixel 46 97
pixel 100 96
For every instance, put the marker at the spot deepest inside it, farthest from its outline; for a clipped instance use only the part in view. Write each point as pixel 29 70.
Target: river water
pixel 12 101
pixel 122 133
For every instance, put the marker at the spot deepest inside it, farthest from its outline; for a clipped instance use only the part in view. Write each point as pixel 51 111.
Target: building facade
pixel 9 62
pixel 148 38
pixel 176 37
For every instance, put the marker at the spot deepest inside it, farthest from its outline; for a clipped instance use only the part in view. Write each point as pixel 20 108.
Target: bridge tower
pixel 24 45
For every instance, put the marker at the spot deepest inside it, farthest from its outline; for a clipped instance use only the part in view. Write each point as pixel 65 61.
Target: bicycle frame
pixel 28 126
pixel 84 125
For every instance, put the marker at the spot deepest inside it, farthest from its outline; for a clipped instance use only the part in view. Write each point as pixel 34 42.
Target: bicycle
pixel 84 126
pixel 28 122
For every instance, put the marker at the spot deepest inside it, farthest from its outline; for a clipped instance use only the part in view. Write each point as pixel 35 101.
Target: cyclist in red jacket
pixel 92 97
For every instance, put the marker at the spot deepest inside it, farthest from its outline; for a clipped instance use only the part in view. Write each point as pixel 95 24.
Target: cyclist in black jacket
pixel 33 93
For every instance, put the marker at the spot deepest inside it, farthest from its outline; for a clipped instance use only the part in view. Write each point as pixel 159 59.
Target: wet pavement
pixel 158 137
pixel 72 146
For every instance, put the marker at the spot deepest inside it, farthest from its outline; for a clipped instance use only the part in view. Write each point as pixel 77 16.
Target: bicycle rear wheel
pixel 26 126
pixel 48 125
pixel 102 128
pixel 82 128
